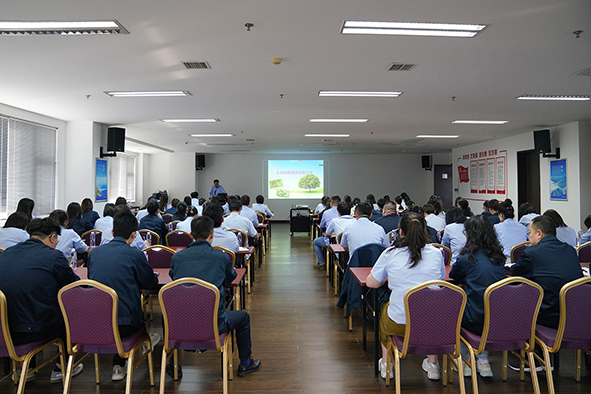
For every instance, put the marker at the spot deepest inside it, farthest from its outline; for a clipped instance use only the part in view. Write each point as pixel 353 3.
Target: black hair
pixel 187 200
pixel 458 200
pixel 506 209
pixel 325 201
pixel 43 228
pixel 414 228
pixel 153 207
pixel 526 208
pixel 26 205
pixel 175 202
pixel 480 234
pixel 215 212
pixel 588 221
pixel 17 220
pixel 124 224
pixel 120 201
pixel 347 199
pixel 465 207
pixel 416 209
pixel 386 198
pixel 260 199
pixel 86 205
pixel 336 199
pixel 428 209
pixel 163 200
pixel 356 201
pixel 109 209
pixel 545 224
pixel 234 205
pixel 60 216
pixel 454 215
pixel 555 216
pixel 364 209
pixel 216 180
pixel 371 198
pixel 381 202
pixel 181 210
pixel 343 208
pixel 493 204
pixel 201 227
pixel 245 200
pixel 194 195
pixel 191 211
pixel 74 213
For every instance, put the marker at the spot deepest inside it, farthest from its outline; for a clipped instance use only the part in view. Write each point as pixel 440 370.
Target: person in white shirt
pixel 587 236
pixel 564 233
pixel 509 232
pixel 235 221
pixel 248 212
pixel 14 230
pixel 363 231
pixel 324 204
pixel 339 224
pixel 259 206
pixel 185 225
pixel 68 239
pixel 433 220
pixel 195 199
pixel 453 236
pixel 527 213
pixel 144 211
pixel 225 239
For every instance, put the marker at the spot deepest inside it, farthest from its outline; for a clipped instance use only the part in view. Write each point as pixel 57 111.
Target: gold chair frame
pixel 515 248
pixel 439 246
pixel 176 232
pixel 152 234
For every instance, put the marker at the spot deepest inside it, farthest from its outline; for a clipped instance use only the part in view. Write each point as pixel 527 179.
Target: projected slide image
pixel 296 179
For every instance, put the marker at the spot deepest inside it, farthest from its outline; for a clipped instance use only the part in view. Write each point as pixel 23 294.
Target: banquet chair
pixel 261 219
pixel 508 325
pixel 1 250
pixel 574 328
pixel 150 236
pixel 192 328
pixel 434 312
pixel 227 251
pixel 178 238
pixel 241 235
pixel 90 315
pixel 172 225
pixel 23 353
pixel 445 251
pixel 167 217
pixel 233 291
pixel 517 250
pixel 92 238
pixel 584 252
pixel 158 257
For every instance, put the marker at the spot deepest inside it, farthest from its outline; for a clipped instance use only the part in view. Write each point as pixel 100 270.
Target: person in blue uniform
pixel 215 189
pixel 88 214
pixel 154 223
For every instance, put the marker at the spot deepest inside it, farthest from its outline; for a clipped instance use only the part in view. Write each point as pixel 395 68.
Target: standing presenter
pixel 215 189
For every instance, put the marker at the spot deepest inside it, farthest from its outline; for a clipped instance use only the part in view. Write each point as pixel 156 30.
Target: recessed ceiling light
pixel 212 135
pixel 155 93
pixel 411 28
pixel 567 98
pixel 481 121
pixel 339 120
pixel 356 93
pixel 61 28
pixel 437 136
pixel 189 120
pixel 328 135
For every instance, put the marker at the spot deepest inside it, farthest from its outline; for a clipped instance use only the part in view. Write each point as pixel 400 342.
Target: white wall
pixel 353 174
pixel 173 172
pixel 585 168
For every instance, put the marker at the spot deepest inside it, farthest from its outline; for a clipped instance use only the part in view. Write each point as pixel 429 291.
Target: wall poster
pixel 482 176
pixel 558 180
pixel 490 174
pixel 501 175
pixel 473 176
pixel 100 194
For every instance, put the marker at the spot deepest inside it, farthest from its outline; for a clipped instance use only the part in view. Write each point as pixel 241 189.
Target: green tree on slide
pixel 309 182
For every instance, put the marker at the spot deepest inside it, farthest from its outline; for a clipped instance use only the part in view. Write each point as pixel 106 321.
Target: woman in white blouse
pixel 564 233
pixel 14 230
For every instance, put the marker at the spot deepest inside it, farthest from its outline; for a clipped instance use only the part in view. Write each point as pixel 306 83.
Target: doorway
pixel 528 179
pixel 443 183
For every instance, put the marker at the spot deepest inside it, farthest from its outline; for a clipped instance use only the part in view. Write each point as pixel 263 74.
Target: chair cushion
pixel 399 342
pixel 548 336
pixel 23 349
pixel 128 342
pixel 474 341
pixel 191 345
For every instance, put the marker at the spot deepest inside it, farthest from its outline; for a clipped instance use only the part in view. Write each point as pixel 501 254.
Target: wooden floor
pixel 303 342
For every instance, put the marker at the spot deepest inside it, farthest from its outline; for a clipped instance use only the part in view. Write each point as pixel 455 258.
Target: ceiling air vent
pixel 586 72
pixel 400 67
pixel 197 65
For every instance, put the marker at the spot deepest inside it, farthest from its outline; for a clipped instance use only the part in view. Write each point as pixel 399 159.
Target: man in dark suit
pixel 389 220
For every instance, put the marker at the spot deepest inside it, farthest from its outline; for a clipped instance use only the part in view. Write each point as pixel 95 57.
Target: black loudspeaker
pixel 542 141
pixel 426 162
pixel 199 162
pixel 115 139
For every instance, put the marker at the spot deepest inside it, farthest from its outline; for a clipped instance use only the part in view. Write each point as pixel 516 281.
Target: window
pixel 27 165
pixel 121 181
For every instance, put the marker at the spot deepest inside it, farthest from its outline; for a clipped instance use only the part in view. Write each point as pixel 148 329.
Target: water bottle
pixel 579 235
pixel 149 238
pixel 74 259
pixel 92 240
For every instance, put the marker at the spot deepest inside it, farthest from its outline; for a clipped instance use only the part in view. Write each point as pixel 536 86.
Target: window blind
pixel 121 181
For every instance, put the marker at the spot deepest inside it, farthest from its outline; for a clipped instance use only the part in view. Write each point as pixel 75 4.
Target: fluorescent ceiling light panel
pixel 356 93
pixel 411 28
pixel 155 93
pixel 212 135
pixel 328 135
pixel 61 28
pixel 189 120
pixel 437 136
pixel 339 120
pixel 563 98
pixel 481 121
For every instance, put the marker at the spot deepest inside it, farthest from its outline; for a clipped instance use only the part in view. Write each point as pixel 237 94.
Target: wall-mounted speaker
pixel 426 162
pixel 115 139
pixel 199 162
pixel 542 141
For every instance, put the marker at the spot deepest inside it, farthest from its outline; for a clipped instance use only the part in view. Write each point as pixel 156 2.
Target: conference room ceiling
pixel 527 47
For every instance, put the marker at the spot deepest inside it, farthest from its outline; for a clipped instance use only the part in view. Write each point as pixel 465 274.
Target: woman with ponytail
pixel 509 232
pixel 410 262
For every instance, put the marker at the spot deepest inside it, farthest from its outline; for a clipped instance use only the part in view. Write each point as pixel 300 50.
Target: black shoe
pixel 170 369
pixel 320 267
pixel 254 366
pixel 514 365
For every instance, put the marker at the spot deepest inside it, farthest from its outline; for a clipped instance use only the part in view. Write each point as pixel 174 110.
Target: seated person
pixel 527 213
pixel 225 239
pixel 363 231
pixel 454 236
pixel 68 238
pixel 339 224
pixel 33 272
pixel 465 207
pixel 199 260
pixel 259 206
pixel 585 237
pixel 154 223
pixel 434 234
pixel 14 230
pixel 125 270
pixel 493 209
pixel 432 219
pixel 410 262
pixel 223 199
pixel 172 210
pixel 144 210
pixel 105 224
pixel 75 220
pixel 238 222
pixel 485 212
pixel 389 220
pixel 324 204
pixel 191 214
pixel 248 212
pixel 564 233
pixel 88 214
pixel 181 212
pixel 377 213
pixel 321 243
pixel 509 232
pixel 480 264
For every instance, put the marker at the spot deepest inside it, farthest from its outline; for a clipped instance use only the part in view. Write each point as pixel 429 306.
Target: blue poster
pixel 100 193
pixel 558 180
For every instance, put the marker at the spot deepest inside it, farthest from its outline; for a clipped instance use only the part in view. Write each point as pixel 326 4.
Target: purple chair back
pixel 230 254
pixel 584 252
pixel 172 225
pixel 577 328
pixel 150 236
pixel 159 256
pixel 167 217
pixel 195 327
pixel 88 236
pixel 260 217
pixel 242 237
pixel 433 318
pixel 445 252
pixel 517 250
pixel 178 238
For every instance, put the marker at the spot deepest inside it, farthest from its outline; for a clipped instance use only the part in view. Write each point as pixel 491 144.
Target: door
pixel 443 184
pixel 528 179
